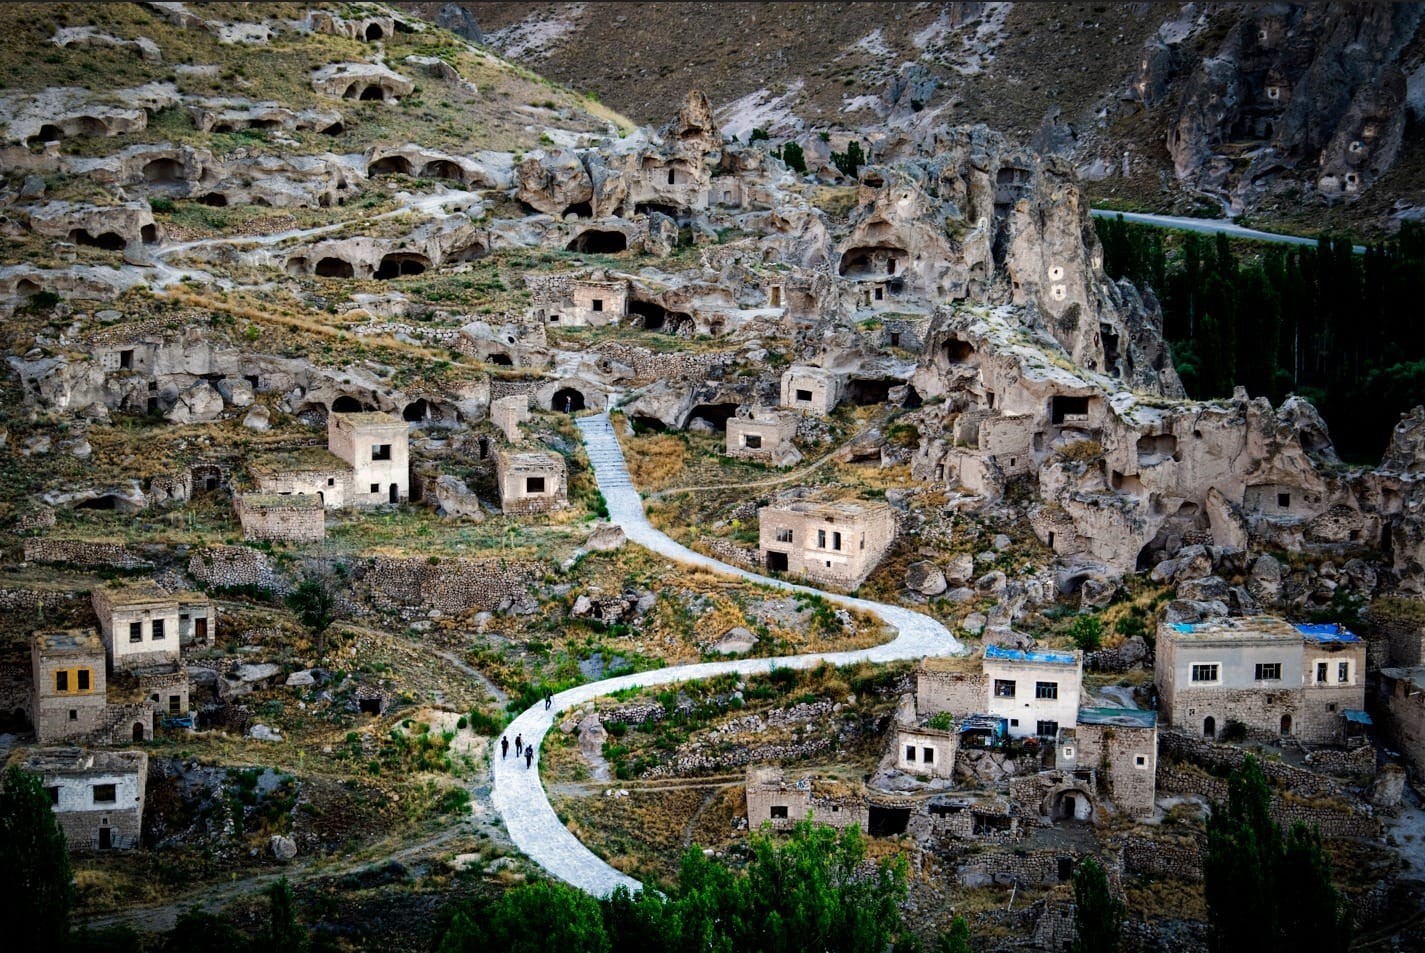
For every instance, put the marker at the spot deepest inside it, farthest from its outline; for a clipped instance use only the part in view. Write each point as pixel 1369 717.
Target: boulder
pixel 925 578
pixel 606 538
pixel 258 419
pixel 453 498
pixel 960 569
pixel 284 848
pixel 553 181
pixel 237 391
pixel 735 641
pixel 303 679
pixel 1265 581
pixel 199 403
pixel 662 237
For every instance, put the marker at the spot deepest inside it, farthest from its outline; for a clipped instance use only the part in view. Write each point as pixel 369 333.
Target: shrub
pixel 848 163
pixel 1086 631
pixel 795 159
pixel 941 721
pixel 161 204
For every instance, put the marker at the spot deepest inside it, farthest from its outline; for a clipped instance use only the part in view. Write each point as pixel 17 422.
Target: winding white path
pixel 518 794
pixel 1211 226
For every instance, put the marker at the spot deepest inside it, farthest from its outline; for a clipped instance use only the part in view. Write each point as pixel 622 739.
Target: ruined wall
pixel 1178 859
pixel 224 567
pixel 959 693
pixel 650 365
pixel 285 518
pixel 83 552
pixel 450 586
pixel 1335 816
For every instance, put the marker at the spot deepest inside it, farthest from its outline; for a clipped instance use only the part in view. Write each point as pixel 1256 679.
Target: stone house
pixel 98 796
pixel 1402 705
pixel 314 472
pixel 1037 690
pixel 1121 744
pixel 167 692
pixel 836 544
pixel 294 518
pixel 140 623
pixel 377 448
pixel 921 749
pixel 508 413
pixel 763 435
pixel 771 798
pixel 533 482
pixel 809 389
pixel 575 301
pixel 1271 677
pixel 69 676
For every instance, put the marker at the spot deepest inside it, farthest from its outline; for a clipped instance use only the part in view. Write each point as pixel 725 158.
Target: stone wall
pixel 649 365
pixel 33 600
pixel 449 586
pixel 1178 858
pixel 1003 868
pixel 1335 816
pixel 84 552
pixel 1223 759
pixel 959 693
pixel 1397 638
pixel 225 567
pixel 295 519
pixel 1115 751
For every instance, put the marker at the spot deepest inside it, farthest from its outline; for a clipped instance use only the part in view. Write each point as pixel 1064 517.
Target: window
pixel 1014 722
pixel 135 631
pixel 375 488
pixel 74 714
pixel 381 451
pixel 598 304
pixel 927 755
pixel 61 681
pixel 1269 671
pixel 331 481
pixel 836 541
pixel 804 396
pixel 1068 751
pixel 1004 688
pixel 910 753
pixel 1205 672
pixel 784 536
pixel 779 812
pixel 1140 761
pixel 105 794
pixel 752 441
pixel 157 629
pixel 1343 671
pixel 1283 500
pixel 82 678
pixel 673 180
pixel 895 339
pixel 880 294
pixel 175 704
pixel 534 484
pixel 53 793
pixel 821 539
pixel 1046 729
pixel 1321 671
pixel 1046 689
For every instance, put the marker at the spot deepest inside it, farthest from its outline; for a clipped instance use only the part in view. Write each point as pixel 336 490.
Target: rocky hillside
pixel 1298 115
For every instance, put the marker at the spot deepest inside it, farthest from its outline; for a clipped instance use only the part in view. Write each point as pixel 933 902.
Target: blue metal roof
pixel 1326 632
pixel 1030 655
pixel 1123 717
pixel 1357 716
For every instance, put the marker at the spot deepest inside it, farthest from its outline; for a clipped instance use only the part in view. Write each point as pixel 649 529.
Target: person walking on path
pixel 529 756
pixel 548 699
pixel 519 745
pixel 504 745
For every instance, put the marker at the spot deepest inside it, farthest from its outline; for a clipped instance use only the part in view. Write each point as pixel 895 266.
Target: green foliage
pixel 848 163
pixel 36 889
pixel 807 892
pixel 758 134
pixel 941 721
pixel 314 602
pixel 1098 914
pixel 1086 631
pixel 793 156
pixel 1266 892
pixel 161 204
pixel 1320 322
pixel 956 939
pixel 284 934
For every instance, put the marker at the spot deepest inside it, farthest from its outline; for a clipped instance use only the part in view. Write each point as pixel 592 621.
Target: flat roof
pixel 303 460
pixel 1045 656
pixel 844 508
pixel 1120 717
pixel 982 722
pixel 369 418
pixel 81 760
pixel 134 593
pixel 1246 628
pixel 282 501
pixel 531 460
pixel 69 642
pixel 1326 632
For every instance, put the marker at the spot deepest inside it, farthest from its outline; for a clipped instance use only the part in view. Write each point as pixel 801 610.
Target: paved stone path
pixel 519 796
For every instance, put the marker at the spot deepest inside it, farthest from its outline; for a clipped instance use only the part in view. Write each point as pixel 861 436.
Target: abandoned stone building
pixel 772 798
pixel 1035 691
pixel 1121 744
pixel 166 692
pixel 531 482
pixel 764 436
pixel 292 518
pixel 837 544
pixel 812 390
pixel 143 625
pixel 314 472
pixel 377 448
pixel 924 750
pixel 509 413
pixel 1272 678
pixel 98 796
pixel 575 301
pixel 69 676
pixel 1401 703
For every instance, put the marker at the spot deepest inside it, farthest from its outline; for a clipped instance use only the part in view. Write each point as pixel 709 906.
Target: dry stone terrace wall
pixel 1333 820
pixel 1180 859
pixel 1222 759
pixel 83 552
pixel 649 365
pixel 33 600
pixel 224 567
pixel 449 586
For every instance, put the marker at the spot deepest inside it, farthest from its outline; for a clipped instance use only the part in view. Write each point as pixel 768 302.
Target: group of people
pixel 522 749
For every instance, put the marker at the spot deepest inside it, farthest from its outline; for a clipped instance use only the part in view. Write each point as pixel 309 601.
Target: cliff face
pixel 1251 107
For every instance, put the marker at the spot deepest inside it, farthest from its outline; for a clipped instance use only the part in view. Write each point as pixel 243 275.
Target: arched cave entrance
pixel 598 241
pixel 865 391
pixel 715 415
pixel 389 165
pixel 346 404
pixel 334 268
pixel 374 32
pixel 442 169
pixel 417 411
pixel 400 264
pixel 109 241
pixel 163 172
pixel 567 400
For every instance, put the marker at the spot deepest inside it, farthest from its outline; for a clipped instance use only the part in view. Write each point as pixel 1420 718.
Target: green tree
pixel 36 887
pixel 956 939
pixel 533 918
pixel 795 159
pixel 199 932
pixel 1098 914
pixel 314 601
pixel 1312 915
pixel 1086 631
pixel 848 163
pixel 284 934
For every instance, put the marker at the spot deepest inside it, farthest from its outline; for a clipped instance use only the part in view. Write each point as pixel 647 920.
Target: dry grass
pixel 655 462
